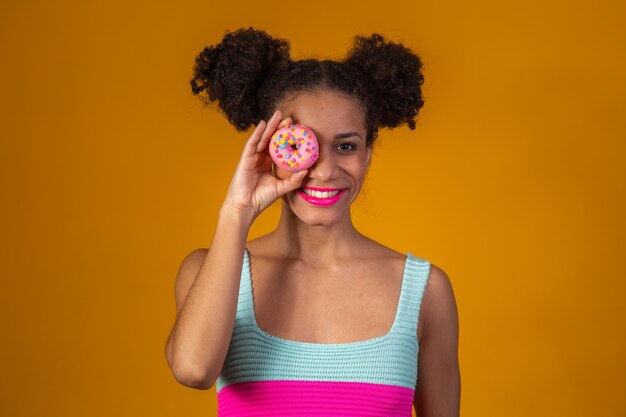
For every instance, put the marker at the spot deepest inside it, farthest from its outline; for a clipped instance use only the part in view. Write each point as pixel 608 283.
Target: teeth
pixel 318 194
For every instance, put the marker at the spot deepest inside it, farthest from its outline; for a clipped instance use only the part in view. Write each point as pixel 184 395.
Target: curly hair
pixel 249 72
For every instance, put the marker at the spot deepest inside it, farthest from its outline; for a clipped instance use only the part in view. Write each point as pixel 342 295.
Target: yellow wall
pixel 112 173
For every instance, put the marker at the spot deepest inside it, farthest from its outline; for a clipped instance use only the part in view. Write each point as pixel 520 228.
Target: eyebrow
pixel 347 135
pixel 338 135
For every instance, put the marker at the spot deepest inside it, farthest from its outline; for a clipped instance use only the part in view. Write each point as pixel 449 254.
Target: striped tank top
pixel 265 375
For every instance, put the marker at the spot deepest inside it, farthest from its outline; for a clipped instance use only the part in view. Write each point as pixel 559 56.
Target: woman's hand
pixel 253 188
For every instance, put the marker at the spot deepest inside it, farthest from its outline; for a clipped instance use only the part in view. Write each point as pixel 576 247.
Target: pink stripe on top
pixel 314 398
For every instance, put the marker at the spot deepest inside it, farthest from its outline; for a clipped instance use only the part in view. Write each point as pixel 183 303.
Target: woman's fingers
pixel 291 183
pixel 285 122
pixel 262 133
pixel 269 130
pixel 251 144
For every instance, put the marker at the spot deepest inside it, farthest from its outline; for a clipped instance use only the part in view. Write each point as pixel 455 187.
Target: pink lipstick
pixel 320 201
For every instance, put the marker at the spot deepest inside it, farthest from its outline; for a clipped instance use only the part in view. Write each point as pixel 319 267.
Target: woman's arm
pixel 207 289
pixel 207 285
pixel 438 389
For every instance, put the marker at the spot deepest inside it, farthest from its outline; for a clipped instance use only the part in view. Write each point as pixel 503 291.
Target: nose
pixel 325 167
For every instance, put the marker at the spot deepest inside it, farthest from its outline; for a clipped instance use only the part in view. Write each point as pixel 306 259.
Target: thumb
pixel 295 180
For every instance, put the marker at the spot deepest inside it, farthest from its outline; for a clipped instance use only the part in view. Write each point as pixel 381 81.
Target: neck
pixel 317 244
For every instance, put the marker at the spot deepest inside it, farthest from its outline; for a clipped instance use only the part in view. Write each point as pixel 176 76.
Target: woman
pixel 338 323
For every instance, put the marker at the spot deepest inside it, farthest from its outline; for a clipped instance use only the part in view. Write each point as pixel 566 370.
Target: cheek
pixel 357 167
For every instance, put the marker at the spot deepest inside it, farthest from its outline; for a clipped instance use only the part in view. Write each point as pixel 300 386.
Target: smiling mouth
pixel 321 198
pixel 321 194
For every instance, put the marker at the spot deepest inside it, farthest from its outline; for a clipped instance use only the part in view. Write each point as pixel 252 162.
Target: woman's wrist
pixel 239 217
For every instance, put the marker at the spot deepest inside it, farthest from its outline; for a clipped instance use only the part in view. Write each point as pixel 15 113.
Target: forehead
pixel 326 112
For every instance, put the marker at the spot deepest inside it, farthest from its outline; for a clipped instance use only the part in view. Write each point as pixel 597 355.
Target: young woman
pixel 314 318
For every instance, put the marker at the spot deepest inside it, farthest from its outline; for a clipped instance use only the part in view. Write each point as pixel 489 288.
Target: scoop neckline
pixel 298 343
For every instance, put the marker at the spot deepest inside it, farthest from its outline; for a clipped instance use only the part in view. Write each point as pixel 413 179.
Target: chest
pixel 342 304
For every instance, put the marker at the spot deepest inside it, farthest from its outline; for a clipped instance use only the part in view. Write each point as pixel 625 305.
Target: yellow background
pixel 112 172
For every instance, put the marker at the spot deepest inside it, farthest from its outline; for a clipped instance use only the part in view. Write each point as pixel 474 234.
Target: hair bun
pixel 253 53
pixel 394 73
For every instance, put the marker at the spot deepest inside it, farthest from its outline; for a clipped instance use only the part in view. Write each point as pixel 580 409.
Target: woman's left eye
pixel 350 146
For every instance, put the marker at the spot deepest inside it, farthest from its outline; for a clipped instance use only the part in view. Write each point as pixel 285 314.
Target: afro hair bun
pixel 393 71
pixel 233 70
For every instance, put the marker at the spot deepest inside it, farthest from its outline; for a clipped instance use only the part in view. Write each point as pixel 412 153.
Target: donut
pixel 294 147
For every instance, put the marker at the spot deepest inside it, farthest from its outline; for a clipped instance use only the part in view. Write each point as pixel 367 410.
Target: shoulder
pixel 438 311
pixel 438 284
pixel 371 249
pixel 439 380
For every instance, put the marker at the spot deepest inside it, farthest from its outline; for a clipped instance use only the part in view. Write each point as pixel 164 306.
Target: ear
pixel 368 157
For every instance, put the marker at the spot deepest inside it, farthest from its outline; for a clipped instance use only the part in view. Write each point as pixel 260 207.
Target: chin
pixel 317 219
pixel 311 215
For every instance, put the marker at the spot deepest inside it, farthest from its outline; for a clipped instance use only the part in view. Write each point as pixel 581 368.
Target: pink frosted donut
pixel 294 147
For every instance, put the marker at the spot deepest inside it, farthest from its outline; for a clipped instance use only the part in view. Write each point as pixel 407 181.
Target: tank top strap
pixel 244 303
pixel 416 272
